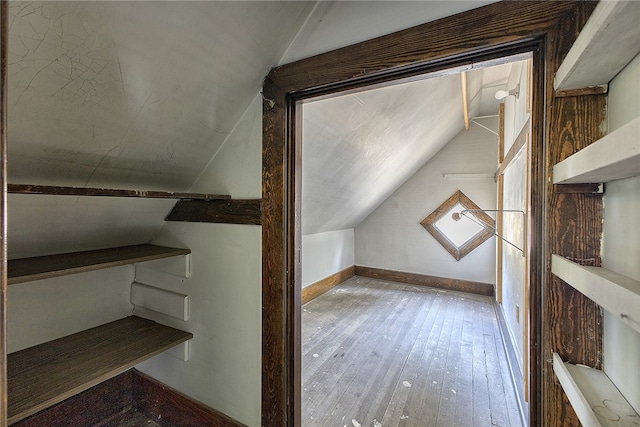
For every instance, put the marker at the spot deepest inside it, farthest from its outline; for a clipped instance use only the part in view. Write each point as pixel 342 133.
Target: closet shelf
pixel 614 292
pixel 41 376
pixel 615 156
pixel 45 267
pixel 594 397
pixel 106 192
pixel 592 61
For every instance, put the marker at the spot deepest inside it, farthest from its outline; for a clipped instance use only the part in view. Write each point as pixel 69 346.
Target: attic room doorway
pixel 483 35
pixel 375 161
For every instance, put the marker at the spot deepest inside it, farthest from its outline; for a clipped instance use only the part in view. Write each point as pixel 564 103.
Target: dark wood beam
pixel 217 211
pixel 107 192
pixel 4 61
pixel 595 90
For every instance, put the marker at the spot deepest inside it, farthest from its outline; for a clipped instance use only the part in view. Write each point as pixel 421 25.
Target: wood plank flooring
pixel 385 354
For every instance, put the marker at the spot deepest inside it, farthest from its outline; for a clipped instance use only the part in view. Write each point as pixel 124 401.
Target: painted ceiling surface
pixel 143 95
pixel 139 94
pixel 359 148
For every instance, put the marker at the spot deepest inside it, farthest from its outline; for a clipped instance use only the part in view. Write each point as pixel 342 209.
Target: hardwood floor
pixel 378 353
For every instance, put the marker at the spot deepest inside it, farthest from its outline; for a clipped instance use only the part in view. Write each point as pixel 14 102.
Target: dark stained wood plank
pixel 595 90
pixel 171 408
pixel 280 312
pixel 46 374
pixel 4 62
pixel 45 267
pixel 107 192
pixel 318 288
pixel 425 280
pixel 571 323
pixel 217 211
pixel 110 400
pixel 578 188
pixel 444 40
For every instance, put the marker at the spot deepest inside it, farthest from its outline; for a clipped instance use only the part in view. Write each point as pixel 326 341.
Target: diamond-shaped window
pixel 462 235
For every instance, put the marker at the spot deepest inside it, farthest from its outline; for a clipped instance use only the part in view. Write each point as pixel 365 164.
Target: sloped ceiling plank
pixel 144 93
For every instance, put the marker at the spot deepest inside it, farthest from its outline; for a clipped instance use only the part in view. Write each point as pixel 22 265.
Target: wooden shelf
pixel 105 192
pixel 594 397
pixel 615 156
pixel 45 267
pixel 609 41
pixel 615 293
pixel 41 376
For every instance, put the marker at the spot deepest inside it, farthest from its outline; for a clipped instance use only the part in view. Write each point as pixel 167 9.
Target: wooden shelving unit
pixel 594 397
pixel 41 376
pixel 615 293
pixel 45 267
pixel 607 43
pixel 615 156
pixel 107 192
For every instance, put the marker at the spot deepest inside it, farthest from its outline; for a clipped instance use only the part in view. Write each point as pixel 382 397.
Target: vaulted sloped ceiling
pixel 135 94
pixel 359 148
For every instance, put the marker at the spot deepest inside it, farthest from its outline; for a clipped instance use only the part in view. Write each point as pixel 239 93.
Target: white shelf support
pixel 593 396
pixel 592 60
pixel 615 156
pixel 614 292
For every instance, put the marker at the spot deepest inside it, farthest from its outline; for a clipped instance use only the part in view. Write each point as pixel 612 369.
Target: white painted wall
pixel 621 241
pixel 513 263
pixel 324 254
pixel 515 197
pixel 392 238
pixel 225 287
pixel 44 310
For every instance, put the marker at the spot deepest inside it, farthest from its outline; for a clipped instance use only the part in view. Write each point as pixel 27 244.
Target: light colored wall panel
pixel 44 310
pixel 621 241
pixel 392 237
pixel 324 254
pixel 224 367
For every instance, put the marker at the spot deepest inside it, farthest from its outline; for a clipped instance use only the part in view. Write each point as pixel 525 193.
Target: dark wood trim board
pixel 547 29
pixel 460 285
pixel 217 211
pixel 321 286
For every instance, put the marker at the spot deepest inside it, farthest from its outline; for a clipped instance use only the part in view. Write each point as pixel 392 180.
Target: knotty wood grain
pixel 41 376
pixel 45 267
pixel 217 211
pixel 478 288
pixel 277 360
pixel 571 322
pixel 444 41
pixel 108 192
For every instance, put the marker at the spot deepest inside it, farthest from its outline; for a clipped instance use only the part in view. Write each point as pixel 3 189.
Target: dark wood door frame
pixel 502 29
